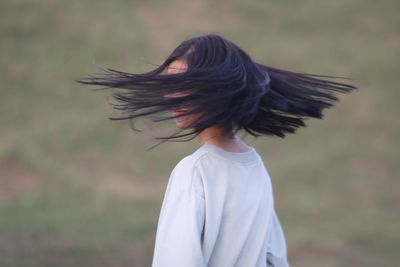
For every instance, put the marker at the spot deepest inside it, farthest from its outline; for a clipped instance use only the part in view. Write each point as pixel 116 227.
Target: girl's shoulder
pixel 193 160
pixel 187 174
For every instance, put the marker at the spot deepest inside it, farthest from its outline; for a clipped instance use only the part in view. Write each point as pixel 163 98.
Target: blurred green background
pixel 77 189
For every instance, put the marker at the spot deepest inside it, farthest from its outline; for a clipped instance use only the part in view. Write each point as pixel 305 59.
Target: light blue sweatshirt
pixel 218 211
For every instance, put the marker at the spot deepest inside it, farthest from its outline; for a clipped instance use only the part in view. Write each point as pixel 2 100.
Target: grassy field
pixel 77 189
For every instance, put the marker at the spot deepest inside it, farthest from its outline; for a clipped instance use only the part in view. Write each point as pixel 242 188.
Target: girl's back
pixel 218 210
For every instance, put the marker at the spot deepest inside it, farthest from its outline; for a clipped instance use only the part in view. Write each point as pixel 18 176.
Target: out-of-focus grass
pixel 78 189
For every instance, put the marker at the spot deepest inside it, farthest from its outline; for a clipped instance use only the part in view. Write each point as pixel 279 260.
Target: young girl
pixel 218 209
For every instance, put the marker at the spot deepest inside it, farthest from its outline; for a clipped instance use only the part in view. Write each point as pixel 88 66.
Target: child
pixel 218 208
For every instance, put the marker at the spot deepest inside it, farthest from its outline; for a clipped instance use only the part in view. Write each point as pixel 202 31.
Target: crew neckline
pixel 247 156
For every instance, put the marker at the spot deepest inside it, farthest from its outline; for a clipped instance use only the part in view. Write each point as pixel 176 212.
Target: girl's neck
pixel 227 141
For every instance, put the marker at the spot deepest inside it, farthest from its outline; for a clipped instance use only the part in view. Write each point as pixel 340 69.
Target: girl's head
pixel 221 75
pixel 209 81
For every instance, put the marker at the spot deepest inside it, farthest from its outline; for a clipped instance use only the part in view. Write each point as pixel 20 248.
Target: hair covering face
pixel 225 87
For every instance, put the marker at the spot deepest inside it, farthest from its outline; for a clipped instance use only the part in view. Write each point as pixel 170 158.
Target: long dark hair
pixel 226 87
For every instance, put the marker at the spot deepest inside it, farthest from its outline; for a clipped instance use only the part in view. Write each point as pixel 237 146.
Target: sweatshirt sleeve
pixel 276 251
pixel 180 226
